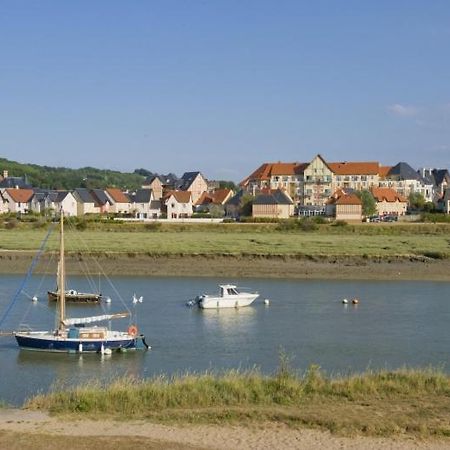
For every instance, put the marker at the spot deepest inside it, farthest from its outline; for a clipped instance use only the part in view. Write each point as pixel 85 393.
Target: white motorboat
pixel 229 297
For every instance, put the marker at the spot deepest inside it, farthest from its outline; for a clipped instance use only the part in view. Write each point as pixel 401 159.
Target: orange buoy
pixel 132 330
pixel 355 301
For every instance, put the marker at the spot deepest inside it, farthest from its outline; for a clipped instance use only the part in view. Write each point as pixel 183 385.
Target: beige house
pixel 154 183
pixel 358 176
pixel 120 202
pixel 86 203
pixel 349 208
pixel 389 201
pixel 318 182
pixel 273 204
pixel 195 183
pixel 179 204
pixel 286 176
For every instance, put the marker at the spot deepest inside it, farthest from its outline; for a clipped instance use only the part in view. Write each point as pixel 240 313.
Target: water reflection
pixel 228 320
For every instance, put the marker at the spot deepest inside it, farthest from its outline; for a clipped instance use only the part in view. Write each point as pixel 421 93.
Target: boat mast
pixel 62 275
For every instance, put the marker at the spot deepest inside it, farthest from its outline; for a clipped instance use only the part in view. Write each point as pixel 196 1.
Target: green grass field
pixel 403 241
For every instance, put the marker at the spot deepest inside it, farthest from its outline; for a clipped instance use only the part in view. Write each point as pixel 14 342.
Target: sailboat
pixel 79 334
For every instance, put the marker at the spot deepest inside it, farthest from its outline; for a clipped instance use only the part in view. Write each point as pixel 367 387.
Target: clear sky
pixel 222 86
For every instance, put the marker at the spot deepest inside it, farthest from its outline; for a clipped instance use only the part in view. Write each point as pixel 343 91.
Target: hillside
pixel 65 178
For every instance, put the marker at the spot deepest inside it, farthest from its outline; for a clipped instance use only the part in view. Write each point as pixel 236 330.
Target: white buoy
pixel 266 302
pixel 107 351
pixel 80 347
pixel 355 301
pixel 102 349
pixel 344 301
pixel 108 299
pixel 34 299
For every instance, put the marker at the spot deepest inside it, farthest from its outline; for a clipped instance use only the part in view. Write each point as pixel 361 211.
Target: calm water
pixel 395 324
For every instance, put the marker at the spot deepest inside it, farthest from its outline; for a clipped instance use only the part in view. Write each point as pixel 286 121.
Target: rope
pixel 27 276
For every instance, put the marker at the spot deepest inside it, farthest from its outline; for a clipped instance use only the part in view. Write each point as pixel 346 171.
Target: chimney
pixel 5 174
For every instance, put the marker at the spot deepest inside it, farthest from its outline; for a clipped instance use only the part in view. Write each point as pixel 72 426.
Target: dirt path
pixel 37 430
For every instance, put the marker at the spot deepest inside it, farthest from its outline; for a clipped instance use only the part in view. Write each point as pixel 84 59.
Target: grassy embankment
pixel 382 403
pixel 364 240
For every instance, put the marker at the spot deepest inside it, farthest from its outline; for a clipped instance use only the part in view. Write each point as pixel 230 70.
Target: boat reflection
pixel 75 368
pixel 228 319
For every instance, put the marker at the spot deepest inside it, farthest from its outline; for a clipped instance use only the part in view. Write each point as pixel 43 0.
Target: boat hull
pixel 47 342
pixel 80 297
pixel 211 302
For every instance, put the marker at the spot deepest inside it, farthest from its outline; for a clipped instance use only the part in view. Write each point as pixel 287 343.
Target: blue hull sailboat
pixel 79 334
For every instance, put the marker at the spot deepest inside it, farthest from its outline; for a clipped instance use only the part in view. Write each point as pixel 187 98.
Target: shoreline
pixel 24 429
pixel 235 266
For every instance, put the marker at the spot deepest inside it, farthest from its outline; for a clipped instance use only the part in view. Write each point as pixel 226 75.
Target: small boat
pixel 229 297
pixel 72 295
pixel 79 334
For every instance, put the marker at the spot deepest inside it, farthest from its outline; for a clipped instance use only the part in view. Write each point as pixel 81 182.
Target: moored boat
pixel 229 296
pixel 79 334
pixel 72 295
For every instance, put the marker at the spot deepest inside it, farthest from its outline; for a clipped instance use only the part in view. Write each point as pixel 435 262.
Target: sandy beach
pixel 22 429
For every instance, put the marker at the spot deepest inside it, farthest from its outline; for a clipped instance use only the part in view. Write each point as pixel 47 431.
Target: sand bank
pixel 21 429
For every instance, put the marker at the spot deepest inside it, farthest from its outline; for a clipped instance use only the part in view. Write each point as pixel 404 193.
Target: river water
pixel 398 323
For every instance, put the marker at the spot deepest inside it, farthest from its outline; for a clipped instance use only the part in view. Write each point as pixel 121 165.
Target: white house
pixel 179 204
pixel 144 205
pixel 19 200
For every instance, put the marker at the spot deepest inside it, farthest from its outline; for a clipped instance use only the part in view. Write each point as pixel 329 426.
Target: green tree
pixel 217 211
pixel 245 205
pixel 416 201
pixel 369 206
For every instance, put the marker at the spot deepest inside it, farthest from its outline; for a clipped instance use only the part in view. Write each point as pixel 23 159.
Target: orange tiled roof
pixel 220 195
pixel 180 196
pixel 217 197
pixel 20 195
pixel 267 170
pixel 384 170
pixel 350 199
pixel 354 168
pixel 117 195
pixel 387 194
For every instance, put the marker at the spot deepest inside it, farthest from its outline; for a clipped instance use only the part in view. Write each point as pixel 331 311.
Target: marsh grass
pixel 253 242
pixel 407 401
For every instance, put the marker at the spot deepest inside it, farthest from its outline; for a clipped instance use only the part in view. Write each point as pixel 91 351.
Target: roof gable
pixel 273 197
pixel 404 171
pixel 20 195
pixel 117 195
pixel 180 196
pixel 387 194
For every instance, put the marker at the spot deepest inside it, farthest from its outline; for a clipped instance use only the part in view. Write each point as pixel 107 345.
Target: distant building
pixel 388 201
pixel 179 204
pixel 273 204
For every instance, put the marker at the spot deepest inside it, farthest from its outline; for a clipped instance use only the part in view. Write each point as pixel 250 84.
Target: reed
pixel 375 403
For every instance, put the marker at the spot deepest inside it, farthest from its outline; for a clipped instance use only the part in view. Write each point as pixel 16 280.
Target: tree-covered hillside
pixel 64 178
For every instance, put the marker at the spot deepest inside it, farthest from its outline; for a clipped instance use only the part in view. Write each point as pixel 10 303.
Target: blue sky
pixel 222 86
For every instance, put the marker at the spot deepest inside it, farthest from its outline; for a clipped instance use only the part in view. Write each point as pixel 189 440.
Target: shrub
pixel 308 224
pixel 81 225
pixel 154 226
pixel 339 223
pixel 12 223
